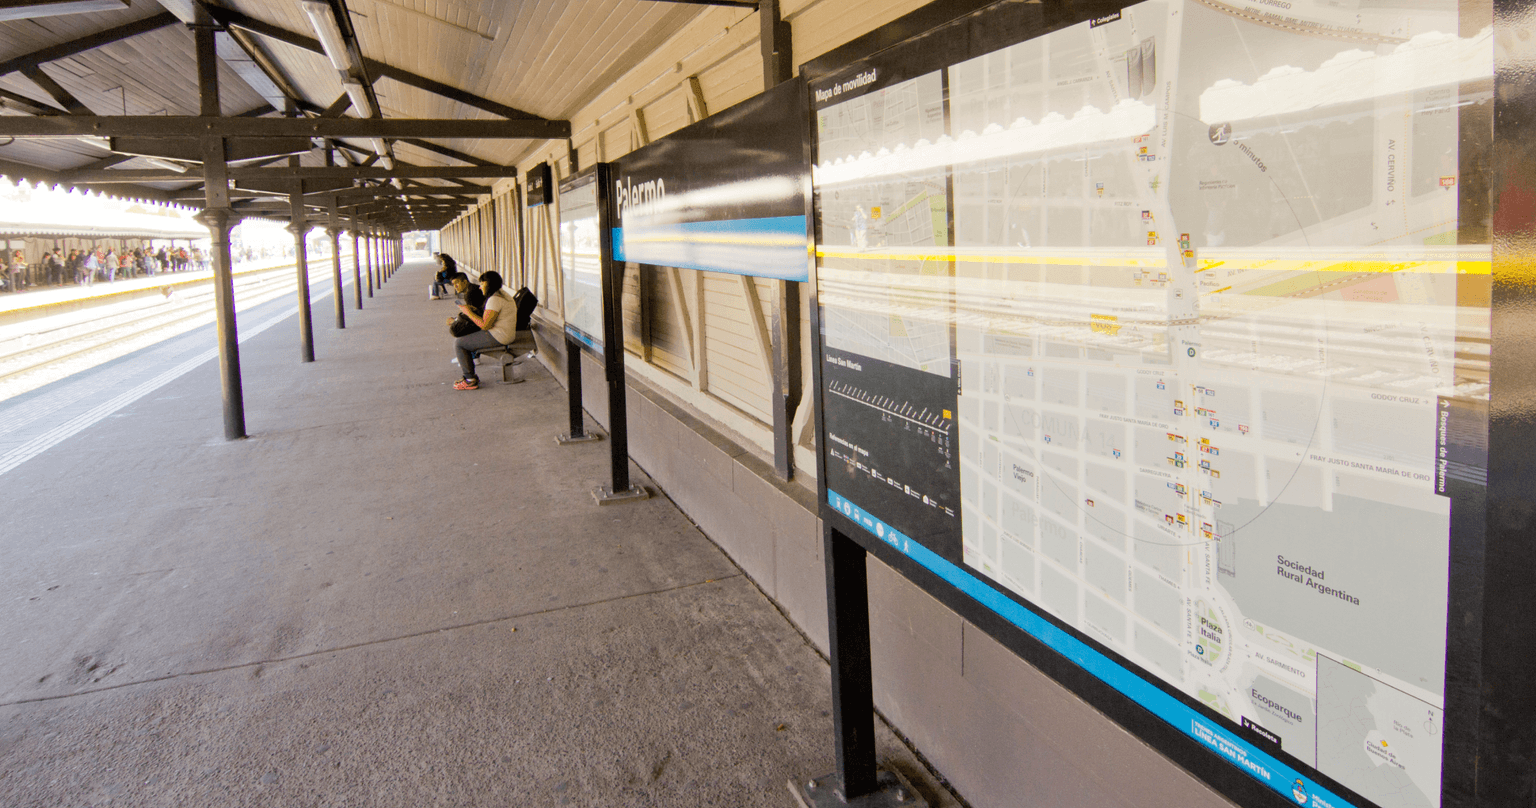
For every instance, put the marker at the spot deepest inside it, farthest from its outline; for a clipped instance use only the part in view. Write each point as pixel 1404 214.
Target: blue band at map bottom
pixel 1252 760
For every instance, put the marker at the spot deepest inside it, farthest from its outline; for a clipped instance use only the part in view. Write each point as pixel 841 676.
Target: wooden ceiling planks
pixel 548 57
pixel 20 37
pixel 152 81
pixel 51 154
pixel 311 74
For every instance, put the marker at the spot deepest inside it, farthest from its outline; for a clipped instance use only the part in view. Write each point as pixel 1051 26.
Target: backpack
pixel 526 302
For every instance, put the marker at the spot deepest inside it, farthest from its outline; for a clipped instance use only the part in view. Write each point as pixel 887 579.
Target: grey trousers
pixel 467 345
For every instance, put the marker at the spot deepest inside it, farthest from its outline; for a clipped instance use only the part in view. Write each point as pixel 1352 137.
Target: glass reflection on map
pixel 1208 300
pixel 581 264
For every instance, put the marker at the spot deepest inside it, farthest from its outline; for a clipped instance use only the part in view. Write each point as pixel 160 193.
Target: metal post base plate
pixel 605 495
pixel 566 437
pixel 892 791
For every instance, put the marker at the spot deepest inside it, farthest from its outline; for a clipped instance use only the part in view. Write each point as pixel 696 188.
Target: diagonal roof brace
pixel 374 69
pixel 76 46
pixel 184 126
pixel 303 172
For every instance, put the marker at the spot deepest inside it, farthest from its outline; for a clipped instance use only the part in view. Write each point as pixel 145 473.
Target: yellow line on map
pixel 1344 265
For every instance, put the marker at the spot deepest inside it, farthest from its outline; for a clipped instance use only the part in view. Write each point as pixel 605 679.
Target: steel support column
pixel 357 279
pixel 372 281
pixel 357 258
pixel 299 226
pixel 778 67
pixel 334 231
pixel 219 221
pixel 219 218
pixel 785 336
pixel 853 715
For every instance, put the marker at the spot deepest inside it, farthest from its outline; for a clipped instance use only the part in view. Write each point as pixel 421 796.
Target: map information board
pixel 1150 324
pixel 581 263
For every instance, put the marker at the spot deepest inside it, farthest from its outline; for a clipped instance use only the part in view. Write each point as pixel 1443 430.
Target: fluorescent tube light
pixel 30 9
pixel 359 98
pixel 324 23
pixel 166 164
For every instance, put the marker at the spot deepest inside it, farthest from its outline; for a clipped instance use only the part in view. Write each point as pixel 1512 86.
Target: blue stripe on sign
pixel 593 343
pixel 773 247
pixel 1253 761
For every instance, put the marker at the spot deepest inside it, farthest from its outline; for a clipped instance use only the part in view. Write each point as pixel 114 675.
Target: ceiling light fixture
pixel 30 9
pixel 324 23
pixel 354 89
pixel 166 164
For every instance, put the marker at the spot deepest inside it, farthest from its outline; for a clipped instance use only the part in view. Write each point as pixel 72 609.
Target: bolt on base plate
pixel 566 437
pixel 891 791
pixel 605 495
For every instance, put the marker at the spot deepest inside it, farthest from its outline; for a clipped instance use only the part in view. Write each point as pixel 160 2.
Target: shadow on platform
pixel 394 593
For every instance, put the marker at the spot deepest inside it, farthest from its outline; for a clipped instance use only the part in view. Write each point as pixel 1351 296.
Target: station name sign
pixel 726 194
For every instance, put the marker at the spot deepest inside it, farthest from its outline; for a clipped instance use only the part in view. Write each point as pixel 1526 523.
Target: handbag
pixel 463 325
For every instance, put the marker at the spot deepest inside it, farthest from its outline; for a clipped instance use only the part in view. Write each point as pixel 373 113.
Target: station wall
pixel 699 366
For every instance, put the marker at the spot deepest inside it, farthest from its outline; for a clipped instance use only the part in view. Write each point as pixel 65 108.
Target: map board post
pixel 1153 344
pixel 592 285
pixel 579 260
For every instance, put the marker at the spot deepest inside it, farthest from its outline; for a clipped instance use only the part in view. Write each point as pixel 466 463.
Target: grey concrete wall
pixel 1003 734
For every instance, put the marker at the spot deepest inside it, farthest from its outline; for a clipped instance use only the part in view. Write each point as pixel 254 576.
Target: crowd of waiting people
pixel 85 267
pixel 489 317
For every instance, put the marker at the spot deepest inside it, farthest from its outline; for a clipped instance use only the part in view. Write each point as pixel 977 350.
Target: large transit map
pixel 1174 298
pixel 581 265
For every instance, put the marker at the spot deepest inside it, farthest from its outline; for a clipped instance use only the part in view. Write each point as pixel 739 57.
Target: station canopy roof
pixel 60 216
pixel 496 76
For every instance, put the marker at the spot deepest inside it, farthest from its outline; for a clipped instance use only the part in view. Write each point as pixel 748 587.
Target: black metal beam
pixel 408 193
pixel 100 165
pixel 56 91
pixel 446 152
pixel 202 126
pixel 197 194
pixel 774 40
pixel 337 107
pixel 264 109
pixel 393 205
pixel 375 69
pixel 267 69
pixel 730 3
pixel 458 188
pixel 21 103
pixel 274 184
pixel 236 149
pixel 85 43
pixel 315 173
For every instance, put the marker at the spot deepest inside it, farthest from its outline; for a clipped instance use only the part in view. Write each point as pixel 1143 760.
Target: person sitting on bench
pixel 447 267
pixel 473 298
pixel 497 330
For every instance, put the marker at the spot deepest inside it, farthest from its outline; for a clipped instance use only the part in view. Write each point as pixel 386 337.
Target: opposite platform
pixel 392 594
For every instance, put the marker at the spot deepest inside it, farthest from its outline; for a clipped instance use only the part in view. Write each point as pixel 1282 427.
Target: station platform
pixel 19 307
pixel 392 594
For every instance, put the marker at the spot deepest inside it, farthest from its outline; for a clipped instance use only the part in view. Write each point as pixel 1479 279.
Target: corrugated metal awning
pixel 73 215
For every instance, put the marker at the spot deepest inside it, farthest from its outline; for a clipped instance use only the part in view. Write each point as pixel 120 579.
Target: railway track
pixel 51 351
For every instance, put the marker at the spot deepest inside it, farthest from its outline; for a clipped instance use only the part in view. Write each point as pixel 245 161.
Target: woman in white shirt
pixel 498 327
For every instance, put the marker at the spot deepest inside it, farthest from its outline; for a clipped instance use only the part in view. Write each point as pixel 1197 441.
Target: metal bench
pixel 519 350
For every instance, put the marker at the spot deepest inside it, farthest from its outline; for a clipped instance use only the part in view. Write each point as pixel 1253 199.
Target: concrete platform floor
pixel 392 594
